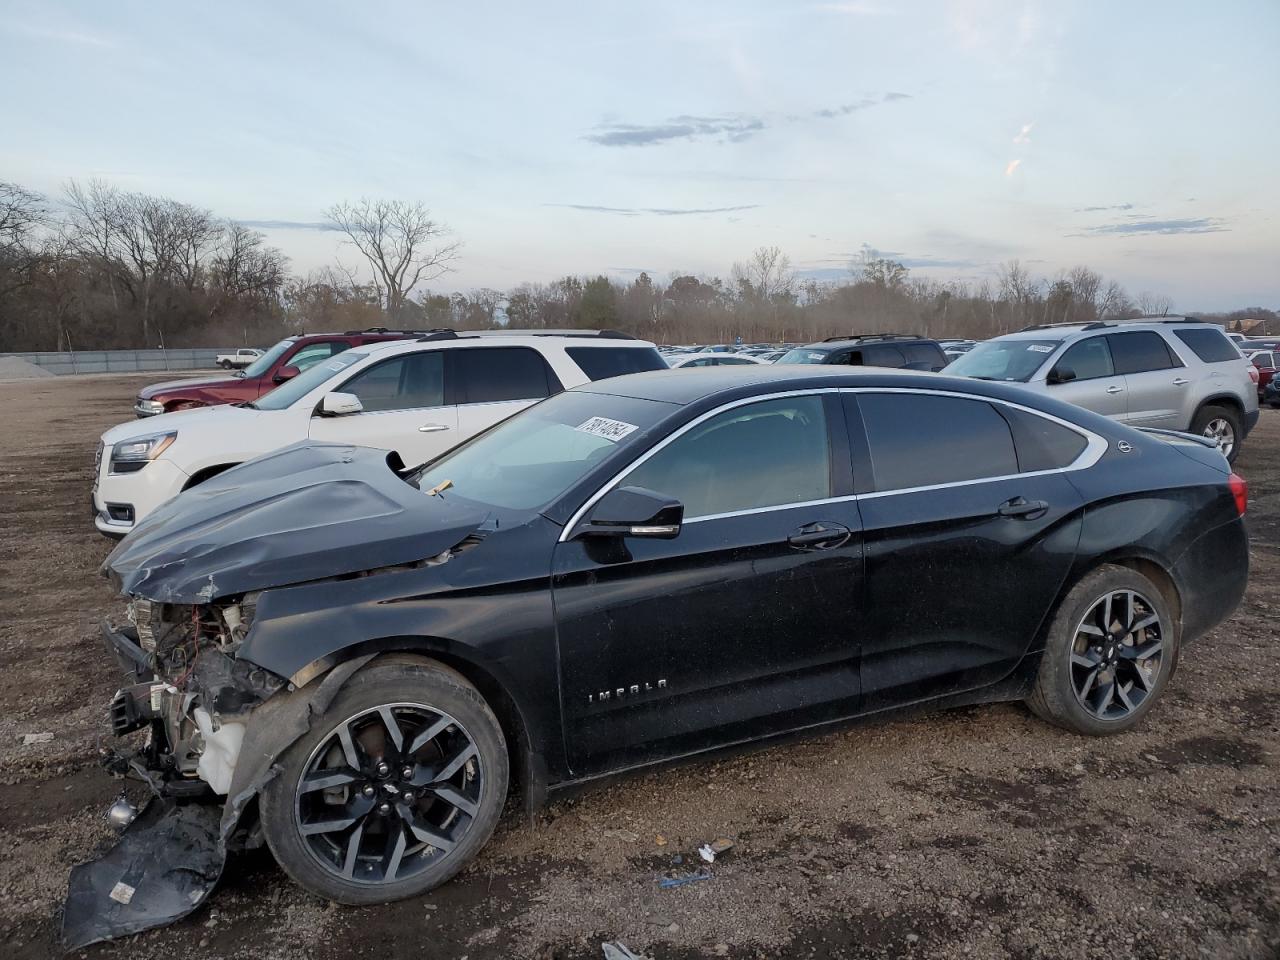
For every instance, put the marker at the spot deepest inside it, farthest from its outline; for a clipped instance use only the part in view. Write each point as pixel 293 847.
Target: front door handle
pixel 819 536
pixel 1021 508
pixel 1179 381
pixel 1114 389
pixel 433 427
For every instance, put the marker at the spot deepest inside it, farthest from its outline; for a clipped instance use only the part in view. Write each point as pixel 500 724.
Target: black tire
pixel 225 364
pixel 1210 420
pixel 1056 696
pixel 392 685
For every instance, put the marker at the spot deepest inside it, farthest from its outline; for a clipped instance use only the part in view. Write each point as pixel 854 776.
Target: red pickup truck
pixel 284 361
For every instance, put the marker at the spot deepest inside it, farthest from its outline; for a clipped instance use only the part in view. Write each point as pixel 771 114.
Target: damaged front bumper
pixel 215 729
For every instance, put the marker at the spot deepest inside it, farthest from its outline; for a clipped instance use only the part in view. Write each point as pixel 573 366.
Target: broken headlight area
pixel 191 693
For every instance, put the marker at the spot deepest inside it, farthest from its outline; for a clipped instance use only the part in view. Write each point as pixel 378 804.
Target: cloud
pixel 289 224
pixel 732 128
pixel 1024 135
pixel 1136 226
pixel 1013 165
pixel 656 211
pixel 1114 206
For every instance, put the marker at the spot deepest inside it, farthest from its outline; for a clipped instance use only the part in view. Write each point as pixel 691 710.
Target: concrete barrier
pixel 123 361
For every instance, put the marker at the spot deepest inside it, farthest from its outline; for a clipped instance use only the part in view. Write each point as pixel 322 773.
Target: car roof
pixel 838 343
pixel 487 339
pixel 1061 331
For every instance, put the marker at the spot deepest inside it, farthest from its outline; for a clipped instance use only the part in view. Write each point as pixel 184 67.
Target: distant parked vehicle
pixel 241 358
pixel 1265 361
pixel 679 361
pixel 281 363
pixel 898 350
pixel 1175 373
pixel 1271 396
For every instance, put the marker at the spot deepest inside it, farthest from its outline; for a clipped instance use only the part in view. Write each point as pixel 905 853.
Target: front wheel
pixel 396 786
pixel 1110 652
pixel 1222 426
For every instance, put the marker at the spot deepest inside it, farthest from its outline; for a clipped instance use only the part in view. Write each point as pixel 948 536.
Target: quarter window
pixel 1211 346
pixel 599 363
pixel 496 374
pixel 1041 443
pixel 1140 352
pixel 918 440
pixel 766 454
pixel 1088 359
pixel 405 382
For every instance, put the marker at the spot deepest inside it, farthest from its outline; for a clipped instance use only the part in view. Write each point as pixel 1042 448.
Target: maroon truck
pixel 285 360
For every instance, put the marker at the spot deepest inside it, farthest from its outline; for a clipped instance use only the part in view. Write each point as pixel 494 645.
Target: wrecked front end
pixel 179 726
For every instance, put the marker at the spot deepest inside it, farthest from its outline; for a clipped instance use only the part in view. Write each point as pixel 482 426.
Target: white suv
pixel 416 397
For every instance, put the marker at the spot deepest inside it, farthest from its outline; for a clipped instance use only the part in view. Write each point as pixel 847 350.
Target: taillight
pixel 1239 490
pixel 1253 374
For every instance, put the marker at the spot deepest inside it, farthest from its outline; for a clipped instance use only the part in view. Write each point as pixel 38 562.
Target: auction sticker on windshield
pixel 611 430
pixel 1040 348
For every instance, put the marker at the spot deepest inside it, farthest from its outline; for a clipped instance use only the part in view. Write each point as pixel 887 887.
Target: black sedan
pixel 367 658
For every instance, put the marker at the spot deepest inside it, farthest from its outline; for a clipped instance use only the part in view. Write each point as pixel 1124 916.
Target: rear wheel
pixel 1222 426
pixel 1111 649
pixel 396 786
pixel 226 364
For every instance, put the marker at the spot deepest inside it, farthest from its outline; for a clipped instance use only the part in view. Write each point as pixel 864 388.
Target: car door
pixel 489 384
pixel 747 622
pixel 965 550
pixel 1155 379
pixel 1093 383
pixel 403 408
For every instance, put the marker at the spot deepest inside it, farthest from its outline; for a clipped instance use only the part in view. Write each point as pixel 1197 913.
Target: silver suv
pixel 1176 373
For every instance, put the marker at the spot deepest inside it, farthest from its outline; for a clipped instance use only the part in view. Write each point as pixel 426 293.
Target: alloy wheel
pixel 1221 432
pixel 1116 654
pixel 389 792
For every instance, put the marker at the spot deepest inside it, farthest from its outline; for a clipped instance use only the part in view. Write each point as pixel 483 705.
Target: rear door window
pixel 313 353
pixel 918 440
pixel 498 374
pixel 883 355
pixel 1088 359
pixel 600 363
pixel 1211 346
pixel 1140 352
pixel 924 356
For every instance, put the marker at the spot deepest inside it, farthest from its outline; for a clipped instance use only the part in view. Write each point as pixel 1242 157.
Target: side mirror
pixel 1060 375
pixel 340 404
pixel 634 512
pixel 286 373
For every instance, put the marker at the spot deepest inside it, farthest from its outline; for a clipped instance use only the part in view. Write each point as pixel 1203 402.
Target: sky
pixel 1139 138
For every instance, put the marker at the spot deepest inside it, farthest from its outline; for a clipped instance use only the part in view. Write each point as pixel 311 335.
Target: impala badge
pixel 620 693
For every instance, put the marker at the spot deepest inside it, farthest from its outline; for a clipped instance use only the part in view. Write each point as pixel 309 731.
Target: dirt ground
pixel 975 833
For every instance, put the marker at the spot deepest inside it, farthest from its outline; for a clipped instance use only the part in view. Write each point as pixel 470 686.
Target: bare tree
pixel 22 213
pixel 1154 304
pixel 767 275
pixel 402 243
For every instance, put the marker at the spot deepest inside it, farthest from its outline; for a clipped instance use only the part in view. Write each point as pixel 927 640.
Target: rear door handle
pixel 1020 508
pixel 1114 389
pixel 433 427
pixel 819 536
pixel 1179 381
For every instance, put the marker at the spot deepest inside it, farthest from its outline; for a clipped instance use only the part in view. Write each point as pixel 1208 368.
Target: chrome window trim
pixel 1095 447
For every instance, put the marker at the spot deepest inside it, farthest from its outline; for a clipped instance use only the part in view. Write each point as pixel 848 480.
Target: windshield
pixel 527 461
pixel 288 393
pixel 265 362
pixel 803 355
pixel 1014 360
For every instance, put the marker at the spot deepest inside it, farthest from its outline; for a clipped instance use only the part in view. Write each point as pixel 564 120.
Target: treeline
pixel 101 268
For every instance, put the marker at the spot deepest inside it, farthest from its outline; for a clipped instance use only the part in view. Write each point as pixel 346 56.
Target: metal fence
pixel 122 361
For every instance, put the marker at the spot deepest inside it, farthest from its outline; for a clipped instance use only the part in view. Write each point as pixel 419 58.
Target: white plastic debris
pixel 706 853
pixel 617 950
pixel 29 738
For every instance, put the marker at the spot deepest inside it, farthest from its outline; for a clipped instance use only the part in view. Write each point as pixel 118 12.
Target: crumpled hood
pixel 304 512
pixel 149 392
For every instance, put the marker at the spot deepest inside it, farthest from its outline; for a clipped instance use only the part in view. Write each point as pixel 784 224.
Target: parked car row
pixel 357 660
